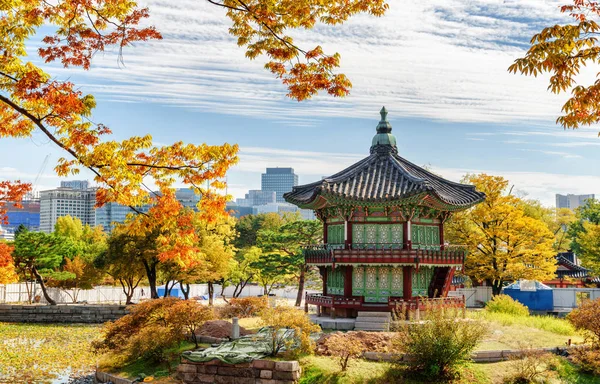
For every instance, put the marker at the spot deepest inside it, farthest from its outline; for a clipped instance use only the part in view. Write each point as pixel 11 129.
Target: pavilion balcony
pixel 382 253
pixel 393 303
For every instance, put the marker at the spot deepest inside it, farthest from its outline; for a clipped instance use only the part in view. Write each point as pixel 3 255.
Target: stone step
pixel 377 320
pixel 374 314
pixel 361 326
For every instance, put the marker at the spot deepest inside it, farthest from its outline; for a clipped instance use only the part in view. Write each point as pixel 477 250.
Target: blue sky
pixel 438 66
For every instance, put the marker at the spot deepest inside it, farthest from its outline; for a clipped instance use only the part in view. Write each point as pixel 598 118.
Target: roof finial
pixel 383 114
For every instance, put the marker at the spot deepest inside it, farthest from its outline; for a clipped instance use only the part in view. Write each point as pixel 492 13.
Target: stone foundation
pixel 71 313
pixel 256 372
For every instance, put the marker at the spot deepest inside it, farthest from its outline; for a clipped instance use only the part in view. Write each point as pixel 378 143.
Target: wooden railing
pixel 393 304
pixel 385 253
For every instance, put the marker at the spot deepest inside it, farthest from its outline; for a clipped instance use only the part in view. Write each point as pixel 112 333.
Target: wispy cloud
pixel 565 155
pixel 447 61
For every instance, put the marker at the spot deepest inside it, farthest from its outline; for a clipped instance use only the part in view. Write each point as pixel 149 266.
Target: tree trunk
pixel 211 292
pixel 40 280
pixel 167 289
pixel 496 287
pixel 127 290
pixel 185 291
pixel 301 286
pixel 151 275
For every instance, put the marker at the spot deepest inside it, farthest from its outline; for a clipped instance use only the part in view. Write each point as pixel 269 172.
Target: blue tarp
pixel 535 295
pixel 175 292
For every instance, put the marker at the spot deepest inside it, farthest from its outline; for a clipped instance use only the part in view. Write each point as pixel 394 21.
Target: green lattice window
pixel 376 284
pixel 421 281
pixel 335 281
pixel 335 234
pixel 425 236
pixel 377 235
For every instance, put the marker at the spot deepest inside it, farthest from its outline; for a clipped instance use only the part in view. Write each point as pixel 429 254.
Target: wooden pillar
pixel 324 232
pixel 348 281
pixel 408 233
pixel 324 281
pixel 347 234
pixel 442 235
pixel 407 282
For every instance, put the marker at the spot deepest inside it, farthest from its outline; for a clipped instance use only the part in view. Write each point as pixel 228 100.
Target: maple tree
pixel 31 100
pixel 504 244
pixel 562 51
pixel 7 266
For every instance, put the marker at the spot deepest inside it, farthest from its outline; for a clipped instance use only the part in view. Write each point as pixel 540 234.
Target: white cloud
pixel 440 59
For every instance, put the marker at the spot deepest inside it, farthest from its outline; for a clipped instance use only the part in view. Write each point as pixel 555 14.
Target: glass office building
pixel 280 180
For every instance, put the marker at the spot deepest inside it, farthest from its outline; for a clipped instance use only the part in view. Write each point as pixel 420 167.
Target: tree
pixel 7 266
pixel 589 212
pixel 588 243
pixel 288 241
pixel 74 275
pixel 38 254
pixel 504 244
pixel 241 270
pixel 562 50
pixel 249 226
pixel 270 270
pixel 122 262
pixel 32 100
pixel 556 219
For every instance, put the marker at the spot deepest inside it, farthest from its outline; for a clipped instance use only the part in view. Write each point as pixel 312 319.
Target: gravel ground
pixel 84 379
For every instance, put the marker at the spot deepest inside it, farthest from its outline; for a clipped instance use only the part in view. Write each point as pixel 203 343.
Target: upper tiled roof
pixel 384 176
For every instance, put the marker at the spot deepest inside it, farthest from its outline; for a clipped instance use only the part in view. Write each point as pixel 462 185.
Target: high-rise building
pixel 571 201
pixel 280 180
pixel 75 184
pixel 257 197
pixel 63 201
pixel 28 215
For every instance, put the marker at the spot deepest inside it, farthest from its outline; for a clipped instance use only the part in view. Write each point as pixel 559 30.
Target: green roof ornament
pixel 384 141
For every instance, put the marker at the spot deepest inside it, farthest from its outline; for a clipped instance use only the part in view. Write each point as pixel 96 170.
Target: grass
pixel 514 332
pixel 41 352
pixel 325 370
pixel 144 368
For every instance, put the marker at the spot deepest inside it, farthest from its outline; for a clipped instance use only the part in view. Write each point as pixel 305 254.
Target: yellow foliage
pixel 281 318
pixel 589 240
pixel 504 243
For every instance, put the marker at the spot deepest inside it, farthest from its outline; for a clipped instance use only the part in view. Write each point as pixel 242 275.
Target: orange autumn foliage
pixel 32 100
pixel 7 266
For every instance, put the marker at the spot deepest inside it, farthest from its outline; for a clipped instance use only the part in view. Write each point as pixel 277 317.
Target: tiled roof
pixel 382 177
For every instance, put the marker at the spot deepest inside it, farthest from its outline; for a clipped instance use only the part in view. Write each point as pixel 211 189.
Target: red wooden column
pixel 407 282
pixel 348 281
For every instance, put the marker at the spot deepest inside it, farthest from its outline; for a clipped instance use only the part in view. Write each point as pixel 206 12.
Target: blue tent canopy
pixel 533 294
pixel 175 292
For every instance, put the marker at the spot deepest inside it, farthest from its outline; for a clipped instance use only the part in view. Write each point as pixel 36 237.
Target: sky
pixel 438 66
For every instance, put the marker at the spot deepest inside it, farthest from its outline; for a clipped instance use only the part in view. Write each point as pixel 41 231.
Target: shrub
pixel 531 366
pixel 150 330
pixel 587 359
pixel 441 343
pixel 243 307
pixel 188 316
pixel 282 319
pixel 586 318
pixel 506 304
pixel 344 347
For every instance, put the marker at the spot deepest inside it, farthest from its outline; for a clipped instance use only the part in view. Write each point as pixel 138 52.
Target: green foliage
pixel 589 212
pixel 440 344
pixel 587 319
pixel 249 226
pixel 151 331
pixel 243 307
pixel 506 304
pixel 36 353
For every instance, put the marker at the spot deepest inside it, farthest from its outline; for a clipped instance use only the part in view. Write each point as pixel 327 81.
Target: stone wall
pixel 256 372
pixel 72 313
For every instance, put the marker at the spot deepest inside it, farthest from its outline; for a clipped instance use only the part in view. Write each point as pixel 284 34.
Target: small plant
pixel 586 318
pixel 531 366
pixel 289 330
pixel 587 359
pixel 506 304
pixel 344 347
pixel 151 330
pixel 441 343
pixel 243 307
pixel 187 316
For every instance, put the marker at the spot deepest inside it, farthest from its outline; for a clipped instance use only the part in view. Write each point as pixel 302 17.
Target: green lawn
pixel 39 352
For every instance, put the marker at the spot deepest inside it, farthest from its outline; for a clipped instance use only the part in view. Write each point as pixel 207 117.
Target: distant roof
pixel 385 177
